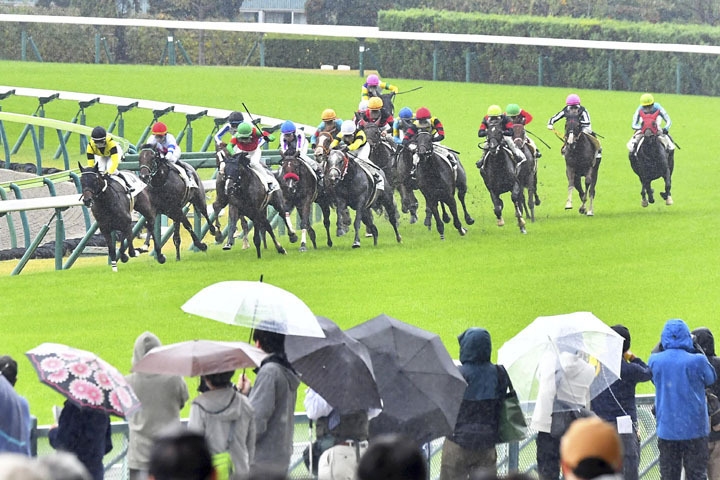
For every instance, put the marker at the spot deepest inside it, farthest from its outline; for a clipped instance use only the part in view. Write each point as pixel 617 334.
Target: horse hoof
pixel 202 247
pixel 669 200
pixel 500 222
pixel 340 232
pixel 537 201
pixel 282 251
pixel 293 237
pixel 568 206
pixel 124 258
pixel 303 248
pixel 581 210
pixel 651 199
pixel 462 232
pixel 227 246
pixel 218 237
pixel 399 239
pixel 161 259
pixel 644 203
pixel 356 245
pixel 664 195
pixel 114 269
pixel 413 218
pixel 442 236
pixel 245 244
pixel 590 213
pixel 446 218
pixel 368 234
pixel 469 220
pixel 523 231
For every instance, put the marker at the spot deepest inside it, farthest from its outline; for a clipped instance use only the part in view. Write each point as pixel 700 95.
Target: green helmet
pixel 244 130
pixel 513 109
pixel 494 111
pixel 646 99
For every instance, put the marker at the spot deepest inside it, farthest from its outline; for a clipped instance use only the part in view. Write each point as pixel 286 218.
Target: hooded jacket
pixel 162 397
pixel 15 422
pixel 680 376
pixel 477 422
pixel 704 338
pixel 226 419
pixel 273 398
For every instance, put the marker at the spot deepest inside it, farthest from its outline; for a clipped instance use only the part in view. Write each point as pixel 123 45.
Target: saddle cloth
pixel 445 154
pixel 133 180
pixel 190 182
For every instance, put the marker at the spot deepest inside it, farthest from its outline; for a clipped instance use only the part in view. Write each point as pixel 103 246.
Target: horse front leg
pixel 292 236
pixel 188 226
pixel 326 222
pixel 518 199
pixel 391 209
pixel 246 233
pixel 232 227
pixel 571 182
pixel 591 190
pixel 112 254
pixel 439 224
pixel 497 208
pixel 217 206
pixel 356 225
pixel 305 212
pixel 370 227
pixel 176 239
pixel 268 228
pixel 201 209
pixel 461 192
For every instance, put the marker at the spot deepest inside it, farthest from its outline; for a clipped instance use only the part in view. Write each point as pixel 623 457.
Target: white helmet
pixel 363 106
pixel 348 127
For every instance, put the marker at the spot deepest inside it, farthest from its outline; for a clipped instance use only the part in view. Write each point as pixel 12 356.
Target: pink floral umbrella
pixel 84 378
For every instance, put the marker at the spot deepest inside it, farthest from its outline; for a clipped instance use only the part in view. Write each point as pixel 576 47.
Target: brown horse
pixel 580 161
pixel 324 140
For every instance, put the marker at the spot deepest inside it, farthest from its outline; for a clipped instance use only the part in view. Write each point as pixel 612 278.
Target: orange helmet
pixel 375 103
pixel 328 114
pixel 159 129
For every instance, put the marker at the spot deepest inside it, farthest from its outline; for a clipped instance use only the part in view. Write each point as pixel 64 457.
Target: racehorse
pixel 500 176
pixel 169 194
pixel 652 162
pixel 527 174
pixel 353 187
pixel 405 184
pixel 322 149
pixel 112 208
pixel 580 161
pixel 300 189
pixel 221 199
pixel 437 182
pixel 247 196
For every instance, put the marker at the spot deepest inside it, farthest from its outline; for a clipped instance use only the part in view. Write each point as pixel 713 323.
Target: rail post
pixel 3 135
pixel 435 59
pixel 171 47
pixel 610 73
pixel 540 71
pixel 361 54
pixel 467 65
pixel 97 48
pixel 678 77
pixel 23 46
pixel 262 49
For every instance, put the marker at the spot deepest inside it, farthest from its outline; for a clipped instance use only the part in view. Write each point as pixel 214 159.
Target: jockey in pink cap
pixel 373 87
pixel 572 106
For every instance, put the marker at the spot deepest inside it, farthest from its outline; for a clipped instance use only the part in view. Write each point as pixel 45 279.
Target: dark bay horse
pixel 352 186
pixel 437 182
pixel 169 194
pixel 300 190
pixel 650 163
pixel 112 208
pixel 527 173
pixel 580 161
pixel 405 184
pixel 221 198
pixel 247 196
pixel 500 176
pixel 322 150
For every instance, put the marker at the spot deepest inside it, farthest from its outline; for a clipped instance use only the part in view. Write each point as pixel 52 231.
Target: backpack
pixel 222 462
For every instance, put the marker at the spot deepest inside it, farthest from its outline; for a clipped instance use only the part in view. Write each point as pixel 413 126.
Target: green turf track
pixel 627 264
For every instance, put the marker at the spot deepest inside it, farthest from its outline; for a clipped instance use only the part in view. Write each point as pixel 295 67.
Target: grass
pixel 627 265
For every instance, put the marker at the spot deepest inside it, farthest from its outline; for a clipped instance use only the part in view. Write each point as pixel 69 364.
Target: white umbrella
pixel 546 337
pixel 256 305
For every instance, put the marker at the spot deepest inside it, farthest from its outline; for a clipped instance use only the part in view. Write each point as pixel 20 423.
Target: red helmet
pixel 159 129
pixel 422 114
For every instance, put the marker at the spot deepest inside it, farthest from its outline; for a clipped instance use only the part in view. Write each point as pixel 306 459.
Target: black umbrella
pixel 338 367
pixel 419 384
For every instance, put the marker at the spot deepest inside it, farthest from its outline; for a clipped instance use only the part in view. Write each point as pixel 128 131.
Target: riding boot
pixel 125 182
pixel 537 154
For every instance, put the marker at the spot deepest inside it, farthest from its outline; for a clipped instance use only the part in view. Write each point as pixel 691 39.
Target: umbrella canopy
pixel 199 357
pixel 547 341
pixel 84 378
pixel 256 305
pixel 420 386
pixel 338 367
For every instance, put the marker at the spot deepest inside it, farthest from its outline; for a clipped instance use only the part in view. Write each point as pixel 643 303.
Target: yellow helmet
pixel 328 114
pixel 494 111
pixel 646 99
pixel 375 103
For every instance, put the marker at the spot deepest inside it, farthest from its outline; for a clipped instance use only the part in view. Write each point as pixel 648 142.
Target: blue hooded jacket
pixel 15 423
pixel 680 376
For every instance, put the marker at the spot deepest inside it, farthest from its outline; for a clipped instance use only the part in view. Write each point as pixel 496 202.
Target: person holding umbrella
pixel 15 424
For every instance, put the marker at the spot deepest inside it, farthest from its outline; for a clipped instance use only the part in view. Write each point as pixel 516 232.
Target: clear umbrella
pixel 256 305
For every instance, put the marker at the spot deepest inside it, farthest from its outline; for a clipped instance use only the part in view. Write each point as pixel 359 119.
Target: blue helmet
pixel 288 127
pixel 406 113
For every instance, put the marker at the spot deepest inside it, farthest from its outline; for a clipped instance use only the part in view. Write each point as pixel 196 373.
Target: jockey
pixel 165 143
pixel 402 124
pixel 377 115
pixel 424 121
pixel 650 115
pixel 103 150
pixel 572 105
pixel 519 116
pixel 248 140
pixel 294 141
pixel 361 111
pixel 330 123
pixel 352 139
pixel 233 120
pixel 373 87
pixel 495 115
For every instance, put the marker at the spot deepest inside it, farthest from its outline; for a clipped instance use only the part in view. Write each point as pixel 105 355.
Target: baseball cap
pixel 591 447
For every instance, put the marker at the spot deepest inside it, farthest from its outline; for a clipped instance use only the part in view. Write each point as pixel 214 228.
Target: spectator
pixel 182 455
pixel 591 449
pixel 265 473
pixel 472 444
pixel 392 457
pixel 618 401
pixel 226 419
pixel 680 374
pixel 564 388
pixel 162 397
pixel 273 399
pixel 706 341
pixel 15 424
pixel 64 466
pixel 14 466
pixel 84 432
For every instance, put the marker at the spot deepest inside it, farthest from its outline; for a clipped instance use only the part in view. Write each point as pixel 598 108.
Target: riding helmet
pixel 348 127
pixel 98 134
pixel 405 113
pixel 375 103
pixel 235 118
pixel 373 80
pixel 423 114
pixel 159 129
pixel 363 106
pixel 288 127
pixel 572 99
pixel 494 111
pixel 646 99
pixel 513 109
pixel 244 130
pixel 328 114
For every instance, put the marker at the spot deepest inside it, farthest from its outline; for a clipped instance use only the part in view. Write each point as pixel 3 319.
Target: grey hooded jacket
pixel 162 397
